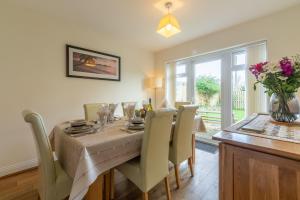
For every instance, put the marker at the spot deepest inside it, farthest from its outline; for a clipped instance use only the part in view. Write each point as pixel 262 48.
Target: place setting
pixel 83 127
pixel 135 123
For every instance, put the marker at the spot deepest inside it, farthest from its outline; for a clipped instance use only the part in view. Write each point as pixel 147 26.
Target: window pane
pixel 239 59
pixel 181 84
pixel 180 69
pixel 207 95
pixel 238 79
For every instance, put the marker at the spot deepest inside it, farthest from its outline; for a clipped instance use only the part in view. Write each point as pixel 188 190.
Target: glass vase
pixel 284 107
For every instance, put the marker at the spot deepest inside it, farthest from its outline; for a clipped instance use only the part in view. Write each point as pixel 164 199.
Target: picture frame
pixel 90 64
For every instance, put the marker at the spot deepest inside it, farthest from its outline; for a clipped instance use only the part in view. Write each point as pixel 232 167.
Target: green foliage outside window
pixel 207 87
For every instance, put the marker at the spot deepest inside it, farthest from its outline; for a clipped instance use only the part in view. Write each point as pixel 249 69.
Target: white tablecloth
pixel 84 158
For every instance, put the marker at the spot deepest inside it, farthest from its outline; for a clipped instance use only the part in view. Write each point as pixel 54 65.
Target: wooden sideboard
pixel 255 168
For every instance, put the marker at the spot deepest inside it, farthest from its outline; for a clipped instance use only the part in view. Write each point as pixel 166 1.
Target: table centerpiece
pixel 281 81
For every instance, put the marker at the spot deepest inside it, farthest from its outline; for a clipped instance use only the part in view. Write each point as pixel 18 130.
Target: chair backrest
pixel 91 110
pixel 45 156
pixel 182 137
pixel 125 106
pixel 181 103
pixel 155 146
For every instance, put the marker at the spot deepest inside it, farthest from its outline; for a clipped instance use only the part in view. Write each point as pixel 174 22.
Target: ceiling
pixel 136 20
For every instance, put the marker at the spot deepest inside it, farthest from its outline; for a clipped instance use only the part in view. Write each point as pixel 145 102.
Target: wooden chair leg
pixel 145 195
pixel 112 184
pixel 168 188
pixel 194 148
pixel 190 161
pixel 177 175
pixel 95 191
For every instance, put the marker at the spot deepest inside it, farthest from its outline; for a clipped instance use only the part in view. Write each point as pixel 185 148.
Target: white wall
pixel 32 64
pixel 281 30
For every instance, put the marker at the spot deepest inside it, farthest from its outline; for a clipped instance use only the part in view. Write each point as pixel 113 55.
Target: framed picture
pixel 85 63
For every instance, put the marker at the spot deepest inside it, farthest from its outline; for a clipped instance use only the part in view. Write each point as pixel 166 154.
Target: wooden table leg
pixel 107 186
pixel 145 196
pixel 112 182
pixel 194 148
pixel 95 191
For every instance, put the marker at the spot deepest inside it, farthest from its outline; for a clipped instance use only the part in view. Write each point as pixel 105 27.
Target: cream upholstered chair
pixel 181 103
pixel 181 147
pixel 91 110
pixel 152 166
pixel 54 183
pixel 125 106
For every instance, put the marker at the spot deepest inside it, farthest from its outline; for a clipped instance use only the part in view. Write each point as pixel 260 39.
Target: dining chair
pixel 152 166
pixel 181 147
pixel 181 103
pixel 54 183
pixel 91 111
pixel 125 105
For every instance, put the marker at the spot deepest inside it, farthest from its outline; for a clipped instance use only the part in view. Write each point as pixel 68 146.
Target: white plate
pixel 79 129
pixel 136 126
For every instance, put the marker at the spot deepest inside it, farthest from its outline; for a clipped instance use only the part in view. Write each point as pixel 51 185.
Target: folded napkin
pixel 103 114
pixel 112 108
pixel 129 111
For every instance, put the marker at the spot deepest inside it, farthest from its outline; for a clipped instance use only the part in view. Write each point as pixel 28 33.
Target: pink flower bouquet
pixel 281 80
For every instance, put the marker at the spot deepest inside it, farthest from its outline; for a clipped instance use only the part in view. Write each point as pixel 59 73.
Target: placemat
pixel 289 132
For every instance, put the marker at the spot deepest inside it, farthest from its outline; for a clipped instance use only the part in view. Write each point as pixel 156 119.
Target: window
pixel 239 58
pixel 217 82
pixel 180 70
pixel 238 86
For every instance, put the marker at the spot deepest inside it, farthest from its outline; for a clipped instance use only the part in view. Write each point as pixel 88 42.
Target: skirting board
pixel 14 168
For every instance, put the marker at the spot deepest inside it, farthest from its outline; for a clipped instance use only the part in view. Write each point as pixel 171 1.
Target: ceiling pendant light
pixel 168 25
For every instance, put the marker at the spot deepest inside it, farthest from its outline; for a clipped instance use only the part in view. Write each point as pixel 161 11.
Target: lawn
pixel 238 115
pixel 213 125
pixel 216 114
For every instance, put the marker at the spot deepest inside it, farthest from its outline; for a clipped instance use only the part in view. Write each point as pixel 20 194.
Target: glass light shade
pixel 157 83
pixel 154 82
pixel 168 26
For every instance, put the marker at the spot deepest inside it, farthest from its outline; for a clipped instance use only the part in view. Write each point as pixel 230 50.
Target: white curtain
pixel 256 99
pixel 170 85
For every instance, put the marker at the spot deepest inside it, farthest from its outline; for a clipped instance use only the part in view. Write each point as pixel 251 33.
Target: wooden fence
pixel 214 117
pixel 238 99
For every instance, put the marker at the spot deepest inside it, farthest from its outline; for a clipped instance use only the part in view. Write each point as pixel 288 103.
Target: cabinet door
pixel 259 176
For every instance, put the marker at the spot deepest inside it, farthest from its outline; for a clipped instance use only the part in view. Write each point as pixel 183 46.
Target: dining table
pixel 87 157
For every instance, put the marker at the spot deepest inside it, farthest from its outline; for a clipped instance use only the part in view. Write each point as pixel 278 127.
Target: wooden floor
pixel 204 185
